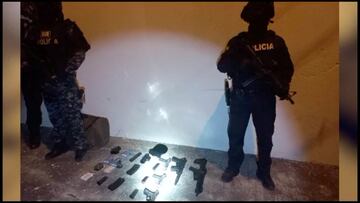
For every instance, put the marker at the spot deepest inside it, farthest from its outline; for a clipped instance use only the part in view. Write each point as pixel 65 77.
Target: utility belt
pixel 250 90
pixel 241 92
pixel 238 89
pixel 245 91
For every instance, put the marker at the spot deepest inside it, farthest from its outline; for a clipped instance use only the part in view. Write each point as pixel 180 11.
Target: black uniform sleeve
pixel 75 37
pixel 78 46
pixel 232 58
pixel 286 67
pixel 74 62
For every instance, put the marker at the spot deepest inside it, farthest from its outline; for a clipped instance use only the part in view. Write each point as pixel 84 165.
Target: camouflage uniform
pixel 63 102
pixel 61 47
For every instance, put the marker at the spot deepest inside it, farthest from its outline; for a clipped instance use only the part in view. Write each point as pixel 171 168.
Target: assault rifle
pixel 179 167
pixel 262 71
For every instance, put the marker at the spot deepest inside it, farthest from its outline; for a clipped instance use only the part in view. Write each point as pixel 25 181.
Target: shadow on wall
pixel 215 131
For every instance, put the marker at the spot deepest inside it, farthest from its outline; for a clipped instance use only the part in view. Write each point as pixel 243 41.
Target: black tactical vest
pixel 266 48
pixel 57 43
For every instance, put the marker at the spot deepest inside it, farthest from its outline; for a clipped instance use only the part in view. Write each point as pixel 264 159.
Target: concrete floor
pixel 60 178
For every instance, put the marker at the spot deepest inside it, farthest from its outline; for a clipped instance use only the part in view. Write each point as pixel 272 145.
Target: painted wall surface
pixel 151 71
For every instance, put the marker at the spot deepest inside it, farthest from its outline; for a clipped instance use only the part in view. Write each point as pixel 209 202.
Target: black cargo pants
pixel 261 104
pixel 31 90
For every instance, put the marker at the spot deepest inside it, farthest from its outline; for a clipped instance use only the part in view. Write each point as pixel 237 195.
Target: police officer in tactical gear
pixel 30 78
pixel 59 48
pixel 252 94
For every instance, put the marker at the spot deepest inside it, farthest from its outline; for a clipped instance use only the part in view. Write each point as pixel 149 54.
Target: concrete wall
pixel 152 72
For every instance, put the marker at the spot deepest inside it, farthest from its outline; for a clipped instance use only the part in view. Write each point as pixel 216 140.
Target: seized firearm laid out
pixel 199 174
pixel 179 167
pixel 150 195
pixel 159 178
pixel 152 187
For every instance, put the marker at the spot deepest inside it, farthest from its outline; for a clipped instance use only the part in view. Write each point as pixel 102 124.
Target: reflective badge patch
pixel 45 34
pixel 263 46
pixel 45 37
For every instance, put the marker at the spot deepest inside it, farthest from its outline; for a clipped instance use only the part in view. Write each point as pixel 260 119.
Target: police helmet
pixel 258 12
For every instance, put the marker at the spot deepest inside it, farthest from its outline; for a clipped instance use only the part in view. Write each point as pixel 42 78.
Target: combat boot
pixel 57 150
pixel 34 137
pixel 34 141
pixel 266 180
pixel 229 175
pixel 80 153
